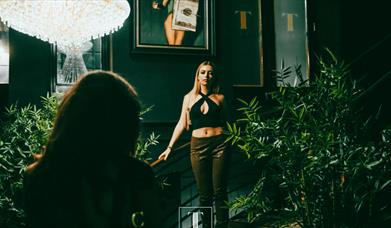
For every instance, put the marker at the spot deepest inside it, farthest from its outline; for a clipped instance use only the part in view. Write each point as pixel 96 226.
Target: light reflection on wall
pixel 4 54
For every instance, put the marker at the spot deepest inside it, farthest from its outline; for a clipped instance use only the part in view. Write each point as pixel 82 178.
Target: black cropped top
pixel 212 118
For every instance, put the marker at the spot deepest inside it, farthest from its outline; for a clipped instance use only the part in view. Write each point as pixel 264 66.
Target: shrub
pixel 312 148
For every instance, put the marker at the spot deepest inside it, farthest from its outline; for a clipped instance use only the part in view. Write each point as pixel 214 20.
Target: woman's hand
pixel 37 159
pixel 155 5
pixel 165 154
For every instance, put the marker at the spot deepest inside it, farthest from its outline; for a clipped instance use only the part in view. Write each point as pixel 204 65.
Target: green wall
pixel 161 80
pixel 30 65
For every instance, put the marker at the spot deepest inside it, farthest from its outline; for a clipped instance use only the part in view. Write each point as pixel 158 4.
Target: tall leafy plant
pixel 313 150
pixel 24 131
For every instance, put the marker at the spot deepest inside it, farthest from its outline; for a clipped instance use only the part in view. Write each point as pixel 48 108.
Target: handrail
pixel 157 161
pixel 363 94
pixel 370 49
pixel 193 196
pixel 152 164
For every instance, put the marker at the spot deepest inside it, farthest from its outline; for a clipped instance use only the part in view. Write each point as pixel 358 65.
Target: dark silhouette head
pixel 79 181
pixel 97 119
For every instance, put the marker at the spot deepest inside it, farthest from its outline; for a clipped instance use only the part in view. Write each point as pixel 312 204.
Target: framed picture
pixel 173 27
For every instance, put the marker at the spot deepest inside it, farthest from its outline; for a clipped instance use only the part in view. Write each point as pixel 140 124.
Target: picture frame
pixel 155 27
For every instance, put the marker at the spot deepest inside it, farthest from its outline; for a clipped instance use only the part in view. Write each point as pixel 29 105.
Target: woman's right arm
pixel 165 3
pixel 157 6
pixel 179 128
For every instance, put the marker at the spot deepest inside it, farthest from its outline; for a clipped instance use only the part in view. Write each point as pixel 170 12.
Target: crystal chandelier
pixel 69 24
pixel 64 22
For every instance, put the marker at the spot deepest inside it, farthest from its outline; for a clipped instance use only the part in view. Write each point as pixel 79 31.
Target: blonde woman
pixel 203 110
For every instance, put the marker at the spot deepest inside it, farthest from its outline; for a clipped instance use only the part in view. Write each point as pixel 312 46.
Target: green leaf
pixel 385 185
pixel 373 164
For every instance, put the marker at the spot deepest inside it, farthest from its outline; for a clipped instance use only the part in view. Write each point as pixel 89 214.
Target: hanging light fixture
pixel 69 24
pixel 64 22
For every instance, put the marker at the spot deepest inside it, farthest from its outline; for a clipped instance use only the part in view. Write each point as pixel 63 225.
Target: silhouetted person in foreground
pixel 88 177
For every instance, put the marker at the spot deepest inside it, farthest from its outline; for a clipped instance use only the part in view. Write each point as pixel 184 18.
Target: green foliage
pixel 313 151
pixel 24 131
pixel 143 146
pixel 255 203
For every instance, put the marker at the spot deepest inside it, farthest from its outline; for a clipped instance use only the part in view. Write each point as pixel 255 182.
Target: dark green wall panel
pixel 29 68
pixel 161 80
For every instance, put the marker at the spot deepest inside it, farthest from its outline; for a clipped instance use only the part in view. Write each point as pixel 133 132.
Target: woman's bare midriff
pixel 207 132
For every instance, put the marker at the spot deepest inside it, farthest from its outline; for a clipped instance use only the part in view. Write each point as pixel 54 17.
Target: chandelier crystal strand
pixel 74 64
pixel 64 22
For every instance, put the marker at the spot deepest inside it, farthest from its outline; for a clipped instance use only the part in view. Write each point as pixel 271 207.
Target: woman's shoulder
pixel 189 95
pixel 219 96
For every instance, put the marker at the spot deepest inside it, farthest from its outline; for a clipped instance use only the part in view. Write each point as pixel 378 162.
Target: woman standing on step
pixel 203 111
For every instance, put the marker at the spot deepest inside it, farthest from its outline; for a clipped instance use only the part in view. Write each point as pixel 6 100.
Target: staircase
pixel 372 68
pixel 182 191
